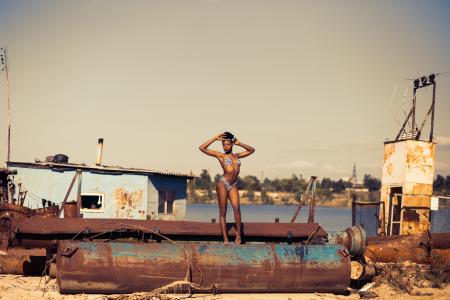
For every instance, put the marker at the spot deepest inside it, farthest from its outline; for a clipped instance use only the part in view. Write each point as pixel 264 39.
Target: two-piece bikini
pixel 229 162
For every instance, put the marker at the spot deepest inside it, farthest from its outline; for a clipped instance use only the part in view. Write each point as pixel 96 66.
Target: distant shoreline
pixel 283 198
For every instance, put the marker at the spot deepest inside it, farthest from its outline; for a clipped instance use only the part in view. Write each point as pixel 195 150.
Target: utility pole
pixel 4 68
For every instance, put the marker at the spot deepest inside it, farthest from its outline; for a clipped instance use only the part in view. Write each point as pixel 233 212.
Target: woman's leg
pixel 234 199
pixel 222 199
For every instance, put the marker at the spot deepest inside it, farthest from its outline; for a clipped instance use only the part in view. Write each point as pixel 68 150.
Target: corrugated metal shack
pixel 108 192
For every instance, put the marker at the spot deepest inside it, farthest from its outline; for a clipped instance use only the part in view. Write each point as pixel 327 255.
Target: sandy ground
pixel 15 287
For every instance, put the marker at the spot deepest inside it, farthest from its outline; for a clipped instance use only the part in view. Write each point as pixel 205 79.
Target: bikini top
pixel 229 162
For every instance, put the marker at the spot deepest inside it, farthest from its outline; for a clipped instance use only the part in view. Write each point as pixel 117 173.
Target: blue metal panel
pixel 157 183
pixel 125 196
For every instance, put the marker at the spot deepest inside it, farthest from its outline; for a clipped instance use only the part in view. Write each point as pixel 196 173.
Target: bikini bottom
pixel 228 186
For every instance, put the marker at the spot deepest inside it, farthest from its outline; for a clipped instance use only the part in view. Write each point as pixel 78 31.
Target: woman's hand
pixel 219 137
pixel 248 149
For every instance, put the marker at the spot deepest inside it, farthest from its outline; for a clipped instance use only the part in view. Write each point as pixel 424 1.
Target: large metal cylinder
pixel 70 210
pixel 93 267
pixel 354 238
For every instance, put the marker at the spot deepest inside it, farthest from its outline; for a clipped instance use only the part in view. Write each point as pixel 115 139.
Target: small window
pixel 92 202
pixel 165 201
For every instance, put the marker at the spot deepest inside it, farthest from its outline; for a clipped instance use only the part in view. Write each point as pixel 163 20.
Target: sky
pixel 309 84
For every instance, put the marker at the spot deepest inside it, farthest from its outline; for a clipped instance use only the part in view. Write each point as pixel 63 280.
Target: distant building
pixel 107 192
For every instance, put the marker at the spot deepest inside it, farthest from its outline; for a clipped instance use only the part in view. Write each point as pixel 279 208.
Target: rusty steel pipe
pixel 354 238
pixel 39 228
pixel 426 240
pixel 98 161
pixel 439 240
pixel 245 268
pixel 22 264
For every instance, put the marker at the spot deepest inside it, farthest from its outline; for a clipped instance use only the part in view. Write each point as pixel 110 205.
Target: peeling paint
pixel 127 202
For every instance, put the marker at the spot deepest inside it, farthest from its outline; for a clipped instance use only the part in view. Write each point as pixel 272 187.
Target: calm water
pixel 331 218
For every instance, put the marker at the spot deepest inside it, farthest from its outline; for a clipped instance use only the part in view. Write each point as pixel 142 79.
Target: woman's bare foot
pixel 237 240
pixel 226 243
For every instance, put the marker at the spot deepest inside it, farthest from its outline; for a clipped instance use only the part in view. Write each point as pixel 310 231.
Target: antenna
pixel 4 68
pixel 415 132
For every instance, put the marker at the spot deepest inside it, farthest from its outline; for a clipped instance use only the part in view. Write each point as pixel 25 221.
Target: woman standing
pixel 226 186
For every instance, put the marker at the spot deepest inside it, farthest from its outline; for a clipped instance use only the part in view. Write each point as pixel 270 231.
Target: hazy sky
pixel 307 83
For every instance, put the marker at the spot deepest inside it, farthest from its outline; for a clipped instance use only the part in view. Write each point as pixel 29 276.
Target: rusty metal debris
pixel 310 187
pixel 354 238
pixel 28 230
pixel 245 268
pixel 415 248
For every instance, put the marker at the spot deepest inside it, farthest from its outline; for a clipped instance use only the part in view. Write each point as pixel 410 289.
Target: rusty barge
pixel 142 253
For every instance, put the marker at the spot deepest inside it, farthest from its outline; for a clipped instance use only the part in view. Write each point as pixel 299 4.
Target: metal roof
pixel 113 170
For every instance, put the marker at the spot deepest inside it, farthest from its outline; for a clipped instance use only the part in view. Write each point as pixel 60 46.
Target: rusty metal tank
pixel 95 267
pixel 70 210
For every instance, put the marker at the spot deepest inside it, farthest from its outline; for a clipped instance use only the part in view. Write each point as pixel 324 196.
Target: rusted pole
pixel 4 67
pixel 404 124
pixel 413 117
pixel 10 193
pixel 312 203
pixel 22 197
pixel 302 199
pixel 18 193
pixel 383 225
pixel 79 194
pixel 432 112
pixel 353 209
pixel 68 193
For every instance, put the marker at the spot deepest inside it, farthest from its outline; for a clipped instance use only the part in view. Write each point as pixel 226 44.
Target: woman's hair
pixel 228 135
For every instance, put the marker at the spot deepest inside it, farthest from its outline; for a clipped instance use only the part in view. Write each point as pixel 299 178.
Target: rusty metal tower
pixel 408 171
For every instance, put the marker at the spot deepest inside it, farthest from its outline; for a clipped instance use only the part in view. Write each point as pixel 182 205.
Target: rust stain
pixel 415 221
pixel 421 156
pixel 422 189
pixel 416 201
pixel 126 202
pixel 410 215
pixel 389 149
pixel 415 155
pixel 390 168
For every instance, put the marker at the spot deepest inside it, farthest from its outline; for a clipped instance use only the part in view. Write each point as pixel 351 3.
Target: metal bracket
pixel 289 237
pixel 68 252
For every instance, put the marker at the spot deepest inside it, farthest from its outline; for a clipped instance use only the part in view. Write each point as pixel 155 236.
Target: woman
pixel 226 186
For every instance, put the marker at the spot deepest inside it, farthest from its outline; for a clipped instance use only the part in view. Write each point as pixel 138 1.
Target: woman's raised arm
pixel 204 147
pixel 249 149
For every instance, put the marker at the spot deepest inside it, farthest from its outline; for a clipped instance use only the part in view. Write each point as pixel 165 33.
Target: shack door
pixel 395 208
